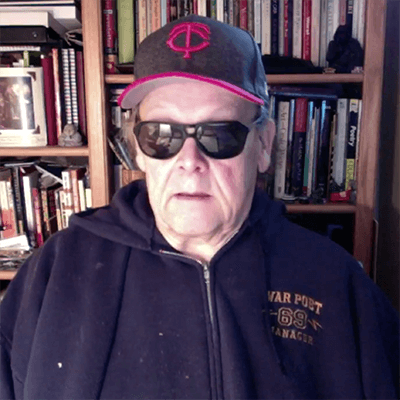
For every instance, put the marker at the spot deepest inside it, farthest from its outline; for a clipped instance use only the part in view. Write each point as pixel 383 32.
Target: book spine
pixel 50 101
pixel 307 165
pixel 8 218
pixel 126 31
pixel 110 36
pixel 45 212
pixel 29 210
pixel 356 6
pixel 202 8
pixel 67 86
pixel 342 12
pixel 74 86
pixel 220 10
pixel 81 189
pixel 323 163
pixel 339 155
pixel 81 93
pixel 306 30
pixel 361 22
pixel 250 17
pixel 265 35
pixel 213 9
pixel 57 92
pixel 297 28
pixel 315 31
pixel 299 138
pixel 57 198
pixel 18 201
pixel 88 197
pixel 67 202
pixel 38 216
pixel 352 136
pixel 288 28
pixel 243 14
pixel 332 20
pixel 323 21
pixel 289 153
pixel 142 16
pixel 358 139
pixel 281 39
pixel 282 135
pixel 275 27
pixel 311 168
pixel 349 15
pixel 316 148
pixel 156 15
pixel 75 190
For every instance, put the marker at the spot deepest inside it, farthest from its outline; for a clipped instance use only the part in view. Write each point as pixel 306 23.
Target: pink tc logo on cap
pixel 188 29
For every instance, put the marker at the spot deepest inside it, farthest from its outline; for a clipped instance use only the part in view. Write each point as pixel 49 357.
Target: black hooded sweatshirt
pixel 107 309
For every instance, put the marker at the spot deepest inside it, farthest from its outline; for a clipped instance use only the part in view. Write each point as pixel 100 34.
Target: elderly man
pixel 194 285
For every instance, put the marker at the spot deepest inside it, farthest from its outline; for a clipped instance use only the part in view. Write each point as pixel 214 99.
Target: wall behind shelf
pixel 388 195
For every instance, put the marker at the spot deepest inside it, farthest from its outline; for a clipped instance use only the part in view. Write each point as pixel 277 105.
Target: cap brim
pixel 137 90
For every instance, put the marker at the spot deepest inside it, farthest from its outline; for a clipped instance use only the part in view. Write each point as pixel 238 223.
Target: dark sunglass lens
pixel 159 140
pixel 223 140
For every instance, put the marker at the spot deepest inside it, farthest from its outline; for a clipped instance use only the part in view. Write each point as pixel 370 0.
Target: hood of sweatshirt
pixel 129 219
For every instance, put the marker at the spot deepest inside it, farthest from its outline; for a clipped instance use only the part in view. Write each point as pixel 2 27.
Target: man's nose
pixel 190 157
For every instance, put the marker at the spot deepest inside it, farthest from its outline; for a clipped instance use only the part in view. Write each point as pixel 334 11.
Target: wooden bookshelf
pixel 52 151
pixel 321 208
pixel 7 275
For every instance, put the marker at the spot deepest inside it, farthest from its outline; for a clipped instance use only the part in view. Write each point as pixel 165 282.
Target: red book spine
pixel 110 36
pixel 286 28
pixel 57 73
pixel 342 12
pixel 195 7
pixel 243 14
pixel 306 52
pixel 75 190
pixel 81 93
pixel 50 100
pixel 168 11
pixel 38 216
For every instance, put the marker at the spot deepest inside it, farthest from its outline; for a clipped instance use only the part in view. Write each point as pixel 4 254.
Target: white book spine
pixel 202 8
pixel 220 10
pixel 88 197
pixel 332 20
pixel 315 31
pixel 358 137
pixel 297 28
pixel 142 13
pixel 257 21
pixel 29 209
pixel 265 26
pixel 67 197
pixel 311 154
pixel 281 40
pixel 67 86
pixel 356 7
pixel 281 153
pixel 81 188
pixel 163 12
pixel 322 46
pixel 339 158
pixel 361 23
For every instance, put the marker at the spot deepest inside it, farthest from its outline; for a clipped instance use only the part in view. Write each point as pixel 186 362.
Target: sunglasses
pixel 219 140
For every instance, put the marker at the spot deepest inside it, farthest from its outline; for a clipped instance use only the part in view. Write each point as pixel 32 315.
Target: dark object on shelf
pixel 288 65
pixel 29 35
pixel 344 52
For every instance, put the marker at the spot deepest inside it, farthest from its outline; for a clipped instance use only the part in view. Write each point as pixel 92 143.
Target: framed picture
pixel 22 107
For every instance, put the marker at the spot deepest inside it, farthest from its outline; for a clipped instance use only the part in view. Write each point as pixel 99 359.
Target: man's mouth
pixel 193 196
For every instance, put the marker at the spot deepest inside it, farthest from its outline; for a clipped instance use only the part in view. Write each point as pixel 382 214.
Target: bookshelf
pixel 371 80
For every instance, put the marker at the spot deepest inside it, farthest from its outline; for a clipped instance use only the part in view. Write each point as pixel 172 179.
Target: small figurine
pixel 344 52
pixel 70 137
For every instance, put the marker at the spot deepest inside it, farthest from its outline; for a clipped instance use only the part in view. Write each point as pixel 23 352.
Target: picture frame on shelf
pixel 22 107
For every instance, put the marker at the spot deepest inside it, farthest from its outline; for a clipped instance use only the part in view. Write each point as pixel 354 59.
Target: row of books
pixel 301 29
pixel 317 148
pixel 37 200
pixel 41 91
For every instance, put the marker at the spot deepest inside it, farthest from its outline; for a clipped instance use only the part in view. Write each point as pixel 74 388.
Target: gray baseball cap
pixel 201 49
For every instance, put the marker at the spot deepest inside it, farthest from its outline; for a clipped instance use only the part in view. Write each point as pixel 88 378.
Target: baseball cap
pixel 200 49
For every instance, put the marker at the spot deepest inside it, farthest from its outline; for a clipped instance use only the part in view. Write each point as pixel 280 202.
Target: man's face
pixel 192 195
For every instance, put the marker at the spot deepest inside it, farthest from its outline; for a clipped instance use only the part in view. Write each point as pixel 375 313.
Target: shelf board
pixel 321 208
pixel 7 275
pixel 82 151
pixel 271 79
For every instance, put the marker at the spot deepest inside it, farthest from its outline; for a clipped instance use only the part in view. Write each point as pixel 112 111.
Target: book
pixel 18 200
pixel 306 30
pixel 313 151
pixel 289 153
pixel 307 154
pixel 332 20
pixel 80 81
pixel 66 198
pixel 281 25
pixel 351 139
pixel 339 152
pixel 67 86
pixel 342 12
pixel 262 28
pixel 39 236
pixel 288 28
pixel 297 28
pixel 50 100
pixel 126 37
pixel 282 139
pixel 299 139
pixel 275 27
pixel 323 47
pixel 110 36
pixel 155 15
pixel 30 178
pixel 59 98
pixel 250 16
pixel 349 15
pixel 9 224
pixel 361 22
pixel 76 174
pixel 142 19
pixel 315 31
pixel 73 85
pixel 242 14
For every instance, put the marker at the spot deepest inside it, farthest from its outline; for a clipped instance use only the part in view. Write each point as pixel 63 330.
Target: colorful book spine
pixel 243 14
pixel 38 216
pixel 322 44
pixel 156 15
pixel 358 139
pixel 67 86
pixel 59 109
pixel 306 30
pixel 281 39
pixel 361 22
pixel 288 28
pixel 352 137
pixel 342 12
pixel 323 159
pixel 126 31
pixel 110 36
pixel 29 180
pixel 297 28
pixel 315 31
pixel 275 27
pixel 74 86
pixel 313 152
pixel 250 16
pixel 282 136
pixel 289 153
pixel 299 142
pixel 18 200
pixel 7 207
pixel 67 201
pixel 307 154
pixel 339 155
pixel 50 101
pixel 265 34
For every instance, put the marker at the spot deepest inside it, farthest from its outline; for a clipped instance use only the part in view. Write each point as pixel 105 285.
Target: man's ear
pixel 266 135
